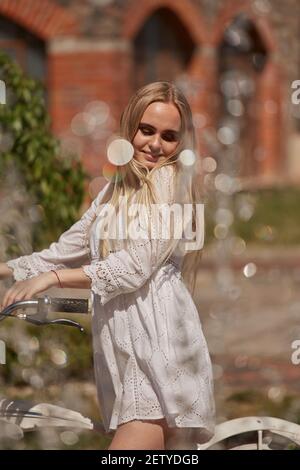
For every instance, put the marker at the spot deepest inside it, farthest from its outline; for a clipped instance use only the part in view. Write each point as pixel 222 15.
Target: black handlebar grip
pixel 70 305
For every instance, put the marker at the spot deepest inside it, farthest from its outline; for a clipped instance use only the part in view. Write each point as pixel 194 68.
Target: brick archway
pixel 228 13
pixel 44 19
pixel 136 14
pixel 269 87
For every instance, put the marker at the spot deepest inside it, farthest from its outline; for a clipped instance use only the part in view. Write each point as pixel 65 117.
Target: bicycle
pixel 264 433
pixel 22 416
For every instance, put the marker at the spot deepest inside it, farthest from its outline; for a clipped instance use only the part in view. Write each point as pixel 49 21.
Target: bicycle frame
pixel 258 424
pixel 24 416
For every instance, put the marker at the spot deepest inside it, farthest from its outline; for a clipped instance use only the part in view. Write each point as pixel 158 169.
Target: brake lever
pixel 64 321
pixel 59 321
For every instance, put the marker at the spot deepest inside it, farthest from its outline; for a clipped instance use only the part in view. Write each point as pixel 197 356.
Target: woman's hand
pixel 25 290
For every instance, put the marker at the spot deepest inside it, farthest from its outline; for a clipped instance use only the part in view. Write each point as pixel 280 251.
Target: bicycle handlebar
pixel 69 305
pixel 47 304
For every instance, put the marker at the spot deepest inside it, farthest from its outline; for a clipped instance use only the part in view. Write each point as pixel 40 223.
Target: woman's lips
pixel 150 157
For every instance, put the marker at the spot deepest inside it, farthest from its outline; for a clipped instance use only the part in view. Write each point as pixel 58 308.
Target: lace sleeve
pixel 70 251
pixel 128 269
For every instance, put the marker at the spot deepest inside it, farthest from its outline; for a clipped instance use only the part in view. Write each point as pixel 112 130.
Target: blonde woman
pixel 152 367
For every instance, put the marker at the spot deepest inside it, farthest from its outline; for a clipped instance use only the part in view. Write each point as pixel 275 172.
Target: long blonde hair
pixel 136 180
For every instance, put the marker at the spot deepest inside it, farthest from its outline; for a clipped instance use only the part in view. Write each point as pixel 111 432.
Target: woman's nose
pixel 155 143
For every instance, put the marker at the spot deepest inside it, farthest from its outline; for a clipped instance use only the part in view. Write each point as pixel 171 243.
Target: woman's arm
pixel 73 278
pixel 25 290
pixel 69 252
pixel 127 269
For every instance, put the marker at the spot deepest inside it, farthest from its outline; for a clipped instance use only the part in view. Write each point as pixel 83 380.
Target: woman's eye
pixel 145 131
pixel 166 137
pixel 170 138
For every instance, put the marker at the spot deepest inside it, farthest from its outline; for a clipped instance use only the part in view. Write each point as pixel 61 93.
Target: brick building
pixel 92 54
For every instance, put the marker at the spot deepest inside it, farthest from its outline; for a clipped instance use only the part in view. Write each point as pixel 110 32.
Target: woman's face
pixel 158 134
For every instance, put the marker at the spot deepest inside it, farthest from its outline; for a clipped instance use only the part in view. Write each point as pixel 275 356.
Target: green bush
pixel 55 182
pixel 51 179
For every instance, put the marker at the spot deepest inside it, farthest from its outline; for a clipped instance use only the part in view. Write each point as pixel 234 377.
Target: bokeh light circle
pixel 120 152
pixel 187 157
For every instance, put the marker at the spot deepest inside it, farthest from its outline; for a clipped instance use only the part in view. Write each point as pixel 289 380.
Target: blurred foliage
pixel 75 346
pixel 53 180
pixel 264 217
pixel 252 402
pixel 34 440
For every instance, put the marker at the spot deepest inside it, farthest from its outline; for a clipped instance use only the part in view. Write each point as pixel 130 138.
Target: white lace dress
pixel 150 356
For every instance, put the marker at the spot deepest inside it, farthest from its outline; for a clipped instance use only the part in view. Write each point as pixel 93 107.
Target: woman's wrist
pixel 57 277
pixel 72 278
pixel 51 279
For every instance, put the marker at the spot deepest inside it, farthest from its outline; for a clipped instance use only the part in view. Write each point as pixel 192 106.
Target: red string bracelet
pixel 60 284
